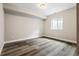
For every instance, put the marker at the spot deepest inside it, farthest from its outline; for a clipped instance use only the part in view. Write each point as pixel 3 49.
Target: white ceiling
pixel 51 7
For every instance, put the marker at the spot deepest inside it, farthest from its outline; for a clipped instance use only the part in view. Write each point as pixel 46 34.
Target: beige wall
pixel 20 28
pixel 1 27
pixel 69 31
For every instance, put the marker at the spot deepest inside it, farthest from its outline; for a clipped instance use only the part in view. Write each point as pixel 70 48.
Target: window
pixel 57 24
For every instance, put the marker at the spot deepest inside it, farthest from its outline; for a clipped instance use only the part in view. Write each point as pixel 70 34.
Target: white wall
pixel 69 31
pixel 1 27
pixel 19 27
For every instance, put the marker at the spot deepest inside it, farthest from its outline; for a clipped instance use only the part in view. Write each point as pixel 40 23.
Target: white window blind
pixel 57 24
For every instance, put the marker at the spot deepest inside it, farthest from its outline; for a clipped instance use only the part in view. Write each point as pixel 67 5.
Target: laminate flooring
pixel 39 47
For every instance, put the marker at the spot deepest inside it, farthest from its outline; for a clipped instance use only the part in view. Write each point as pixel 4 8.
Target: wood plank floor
pixel 39 47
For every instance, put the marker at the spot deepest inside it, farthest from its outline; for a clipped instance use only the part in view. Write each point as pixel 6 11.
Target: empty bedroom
pixel 39 29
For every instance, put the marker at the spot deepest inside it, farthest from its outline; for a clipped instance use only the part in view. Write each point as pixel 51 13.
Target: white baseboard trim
pixel 18 40
pixel 0 52
pixel 14 41
pixel 1 49
pixel 38 37
pixel 66 40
